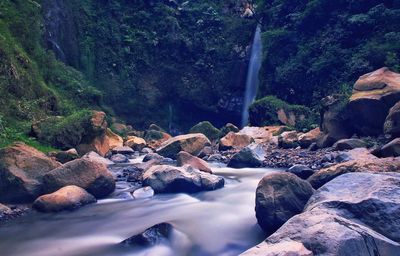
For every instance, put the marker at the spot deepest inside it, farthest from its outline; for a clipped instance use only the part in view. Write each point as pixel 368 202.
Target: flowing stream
pixel 252 75
pixel 220 222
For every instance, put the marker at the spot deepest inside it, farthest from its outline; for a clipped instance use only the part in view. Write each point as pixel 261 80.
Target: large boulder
pixel 235 140
pixel 362 164
pixel 288 140
pixel 135 143
pixel 391 149
pixel 308 138
pixel 250 156
pixel 373 95
pixel 169 179
pixel 334 120
pixel 184 158
pixel 353 215
pixel 207 129
pixel 66 198
pixel 21 171
pixel 94 157
pixel 348 144
pixel 89 175
pixel 99 144
pixel 392 122
pixel 190 143
pixel 279 197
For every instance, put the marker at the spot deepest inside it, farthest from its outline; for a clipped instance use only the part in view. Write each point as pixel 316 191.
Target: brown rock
pixel 235 140
pixel 184 158
pixel 89 175
pixel 288 140
pixel 66 198
pixel 373 95
pixel 190 143
pixel 363 164
pixel 100 145
pixel 135 143
pixel 259 134
pixel 392 122
pixel 21 170
pixel 391 149
pixel 114 140
pixel 306 139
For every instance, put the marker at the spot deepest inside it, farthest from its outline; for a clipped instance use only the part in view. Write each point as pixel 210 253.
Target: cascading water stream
pixel 252 75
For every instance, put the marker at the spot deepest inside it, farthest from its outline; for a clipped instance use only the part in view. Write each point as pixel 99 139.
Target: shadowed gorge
pixel 199 127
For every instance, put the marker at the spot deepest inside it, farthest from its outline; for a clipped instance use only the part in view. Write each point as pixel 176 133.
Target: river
pixel 220 222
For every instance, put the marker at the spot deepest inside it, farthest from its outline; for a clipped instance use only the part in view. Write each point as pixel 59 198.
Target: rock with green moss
pixel 273 111
pixel 68 132
pixel 207 129
pixel 228 128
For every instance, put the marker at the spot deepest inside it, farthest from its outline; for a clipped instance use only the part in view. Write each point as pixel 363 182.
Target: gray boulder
pixel 279 197
pixel 355 214
pixel 250 156
pixel 169 179
pixel 348 144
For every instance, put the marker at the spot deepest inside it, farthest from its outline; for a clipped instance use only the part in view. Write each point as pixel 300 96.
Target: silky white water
pixel 220 222
pixel 252 75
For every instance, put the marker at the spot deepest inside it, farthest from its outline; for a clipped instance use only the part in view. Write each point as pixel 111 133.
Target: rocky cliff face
pixel 155 59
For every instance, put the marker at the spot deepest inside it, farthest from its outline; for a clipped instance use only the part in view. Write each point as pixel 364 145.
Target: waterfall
pixel 252 75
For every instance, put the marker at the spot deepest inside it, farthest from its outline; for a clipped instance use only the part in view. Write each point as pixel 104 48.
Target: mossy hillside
pixel 33 84
pixel 264 112
pixel 152 56
pixel 327 45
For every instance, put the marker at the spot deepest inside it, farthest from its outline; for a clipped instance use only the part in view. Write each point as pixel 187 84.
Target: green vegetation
pixel 316 48
pixel 65 132
pixel 264 112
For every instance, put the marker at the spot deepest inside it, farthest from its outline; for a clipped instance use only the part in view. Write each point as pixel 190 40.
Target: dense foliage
pixel 319 47
pixel 265 112
pixel 156 60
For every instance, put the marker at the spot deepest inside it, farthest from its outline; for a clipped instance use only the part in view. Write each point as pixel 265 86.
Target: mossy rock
pixel 70 131
pixel 207 129
pixel 227 129
pixel 273 111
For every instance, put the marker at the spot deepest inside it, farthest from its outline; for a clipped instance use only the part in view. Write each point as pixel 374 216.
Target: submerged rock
pixel 169 179
pixel 185 158
pixel 279 197
pixel 151 236
pixel 21 171
pixel 91 176
pixel 190 143
pixel 145 192
pixel 250 156
pixel 66 198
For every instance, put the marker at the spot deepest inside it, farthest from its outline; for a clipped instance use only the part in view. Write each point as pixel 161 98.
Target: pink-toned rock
pixel 184 158
pixel 235 141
